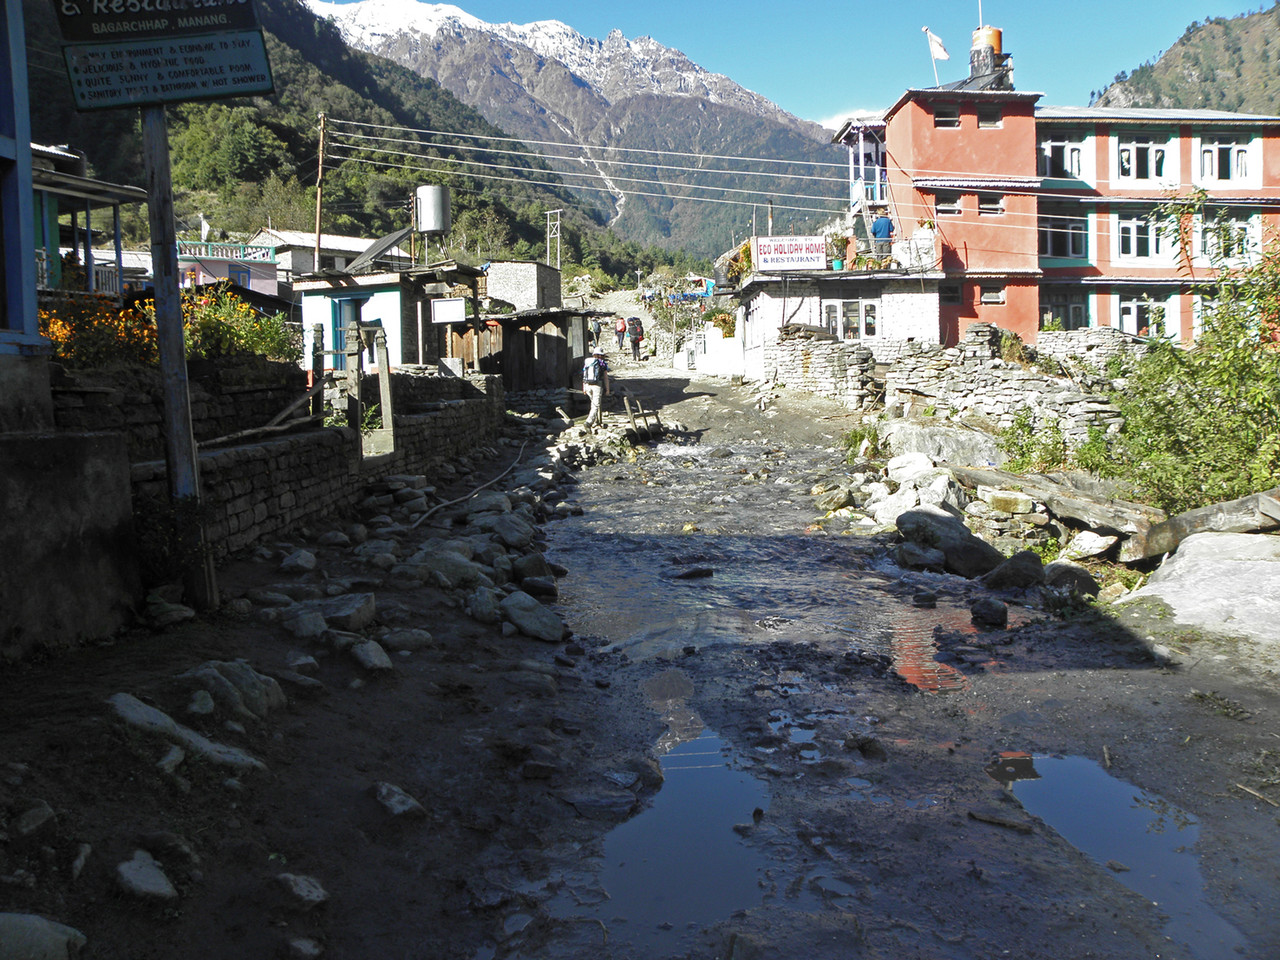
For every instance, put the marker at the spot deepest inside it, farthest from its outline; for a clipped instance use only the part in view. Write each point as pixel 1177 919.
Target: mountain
pixel 1220 64
pixel 631 109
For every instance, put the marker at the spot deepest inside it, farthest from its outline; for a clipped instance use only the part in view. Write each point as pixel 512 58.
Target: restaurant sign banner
pixel 788 253
pixel 123 53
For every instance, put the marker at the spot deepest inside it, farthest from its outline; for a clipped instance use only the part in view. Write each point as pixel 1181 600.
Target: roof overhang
pixel 952 96
pixel 1005 184
pixel 86 188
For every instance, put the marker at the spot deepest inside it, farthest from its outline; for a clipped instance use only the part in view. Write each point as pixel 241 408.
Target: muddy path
pixel 851 774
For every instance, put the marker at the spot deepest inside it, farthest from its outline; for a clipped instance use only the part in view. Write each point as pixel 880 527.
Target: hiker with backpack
pixel 635 333
pixel 595 384
pixel 620 328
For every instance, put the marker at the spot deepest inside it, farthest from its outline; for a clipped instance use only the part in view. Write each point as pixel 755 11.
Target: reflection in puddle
pixel 1146 839
pixel 680 863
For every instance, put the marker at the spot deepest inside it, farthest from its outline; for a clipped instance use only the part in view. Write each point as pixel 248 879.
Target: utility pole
pixel 319 191
pixel 179 440
pixel 553 232
pixel 771 218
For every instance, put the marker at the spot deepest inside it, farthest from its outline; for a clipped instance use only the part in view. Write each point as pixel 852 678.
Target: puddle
pixel 679 865
pixel 1120 826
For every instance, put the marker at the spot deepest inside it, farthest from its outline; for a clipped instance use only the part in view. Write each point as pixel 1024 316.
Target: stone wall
pixel 841 369
pixel 972 379
pixel 258 490
pixel 226 397
pixel 1092 345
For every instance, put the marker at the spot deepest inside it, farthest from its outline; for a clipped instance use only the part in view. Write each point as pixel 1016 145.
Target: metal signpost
pixel 147 53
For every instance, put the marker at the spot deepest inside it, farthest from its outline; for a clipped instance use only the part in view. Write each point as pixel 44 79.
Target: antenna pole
pixel 980 13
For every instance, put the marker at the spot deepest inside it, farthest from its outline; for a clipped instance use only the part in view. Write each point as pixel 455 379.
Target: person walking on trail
pixel 635 333
pixel 882 233
pixel 620 328
pixel 595 384
pixel 595 331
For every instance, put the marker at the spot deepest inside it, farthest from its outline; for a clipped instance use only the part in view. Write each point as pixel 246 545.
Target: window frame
pixel 986 112
pixel 991 205
pixel 1143 151
pixel 951 294
pixel 946 117
pixel 1075 230
pixel 954 206
pixel 1071 164
pixel 992 294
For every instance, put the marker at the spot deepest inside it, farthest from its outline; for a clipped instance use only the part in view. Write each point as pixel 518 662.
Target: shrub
pixel 1031 447
pixel 1011 348
pixel 853 440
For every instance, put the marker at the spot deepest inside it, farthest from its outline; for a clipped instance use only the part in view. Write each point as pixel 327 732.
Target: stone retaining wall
pixel 1092 345
pixel 841 369
pixel 257 490
pixel 972 379
pixel 225 398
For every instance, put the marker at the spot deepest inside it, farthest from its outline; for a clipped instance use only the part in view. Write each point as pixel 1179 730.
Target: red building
pixel 1049 213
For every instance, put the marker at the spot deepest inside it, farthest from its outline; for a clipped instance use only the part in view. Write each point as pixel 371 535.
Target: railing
pixel 42 270
pixel 226 251
pixel 106 278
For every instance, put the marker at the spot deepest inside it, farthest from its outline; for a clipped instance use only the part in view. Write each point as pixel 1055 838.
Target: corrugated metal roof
pixel 1149 115
pixel 977 183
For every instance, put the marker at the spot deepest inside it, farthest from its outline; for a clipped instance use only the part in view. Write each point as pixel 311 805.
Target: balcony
pixel 205 250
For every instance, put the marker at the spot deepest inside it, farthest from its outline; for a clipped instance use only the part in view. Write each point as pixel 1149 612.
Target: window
pixel 831 318
pixel 1142 159
pixel 858 318
pixel 950 294
pixel 990 204
pixel 1224 158
pixel 992 293
pixel 1141 237
pixel 1064 237
pixel 989 118
pixel 1060 158
pixel 238 275
pixel 946 117
pixel 947 204
pixel 1142 314
pixel 1069 308
pixel 1225 237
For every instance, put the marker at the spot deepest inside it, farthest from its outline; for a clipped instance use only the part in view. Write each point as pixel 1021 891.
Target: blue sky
pixel 820 60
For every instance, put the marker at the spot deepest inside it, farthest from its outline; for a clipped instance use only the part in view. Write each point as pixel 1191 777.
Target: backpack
pixel 592 369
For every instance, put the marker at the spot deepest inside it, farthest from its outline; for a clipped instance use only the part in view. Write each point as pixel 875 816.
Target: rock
pixel 540 587
pixel 304 948
pixel 513 531
pixel 1065 575
pixel 34 819
pixel 407 638
pixel 147 718
pixel 906 466
pixel 25 936
pixel 353 612
pixel 1024 569
pixel 483 604
pixel 601 803
pixel 989 612
pixel 300 561
pixel 453 566
pixel 491 501
pixel 531 565
pixel 890 508
pixel 1006 501
pixel 942 443
pixel 238 606
pixel 304 623
pixel 836 499
pixel 531 618
pixel 915 556
pixel 304 892
pixel 1225 583
pixel 398 803
pixel 334 538
pixel 1112 592
pixel 237 688
pixel 1086 544
pixel 269 598
pixel 172 758
pixel 694 573
pixel 942 529
pixel 370 655
pixel 161 615
pixel 143 878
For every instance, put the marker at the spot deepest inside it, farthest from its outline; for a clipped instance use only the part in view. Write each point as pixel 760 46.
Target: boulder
pixel 148 719
pixel 942 443
pixel 942 529
pixel 531 618
pixel 1066 575
pixel 406 638
pixel 305 893
pixel 531 565
pixel 490 501
pixel 300 561
pixel 1006 501
pixel 398 803
pixel 483 604
pixel 1024 569
pixel 1085 544
pixel 906 466
pixel 454 567
pixel 25 936
pixel 142 877
pixel 370 655
pixel 915 556
pixel 989 612
pixel 836 499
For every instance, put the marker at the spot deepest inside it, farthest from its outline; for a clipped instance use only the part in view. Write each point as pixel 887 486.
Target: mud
pixel 756 744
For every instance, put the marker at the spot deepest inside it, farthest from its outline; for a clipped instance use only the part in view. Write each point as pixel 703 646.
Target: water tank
pixel 987 37
pixel 431 209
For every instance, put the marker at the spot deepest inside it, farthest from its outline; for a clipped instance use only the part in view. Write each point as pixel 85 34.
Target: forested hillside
pixel 1220 64
pixel 251 162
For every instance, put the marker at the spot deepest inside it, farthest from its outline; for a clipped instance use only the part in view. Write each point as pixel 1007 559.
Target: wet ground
pixel 759 743
pixel 832 750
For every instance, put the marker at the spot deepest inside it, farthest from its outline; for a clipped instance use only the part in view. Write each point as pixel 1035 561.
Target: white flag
pixel 936 49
